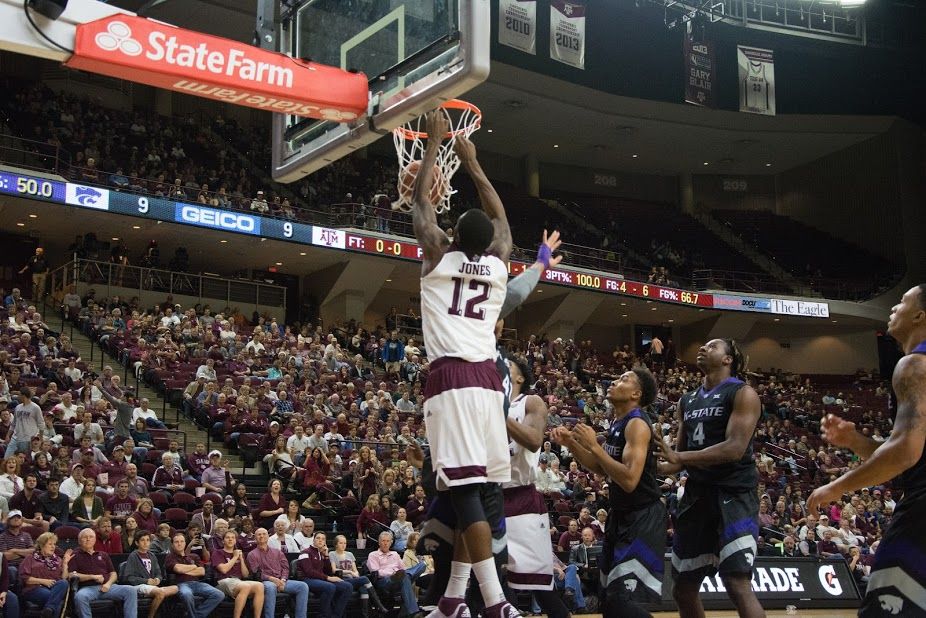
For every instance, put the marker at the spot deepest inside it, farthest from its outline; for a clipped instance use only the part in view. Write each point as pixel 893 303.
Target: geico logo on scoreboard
pixel 219 219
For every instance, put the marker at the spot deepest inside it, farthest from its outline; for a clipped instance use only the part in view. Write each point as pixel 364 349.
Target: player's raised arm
pixel 432 239
pixel 904 446
pixel 491 203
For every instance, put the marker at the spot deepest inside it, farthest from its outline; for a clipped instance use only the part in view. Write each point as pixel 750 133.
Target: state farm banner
pixel 756 80
pixel 699 71
pixel 517 24
pixel 158 54
pixel 567 32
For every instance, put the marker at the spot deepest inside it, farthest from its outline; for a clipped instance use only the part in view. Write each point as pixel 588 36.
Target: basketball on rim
pixel 440 186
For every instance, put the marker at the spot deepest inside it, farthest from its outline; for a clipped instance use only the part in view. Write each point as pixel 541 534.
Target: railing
pixel 231 292
pixel 30 154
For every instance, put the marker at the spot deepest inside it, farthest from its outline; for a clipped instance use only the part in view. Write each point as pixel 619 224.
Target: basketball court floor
pixel 776 613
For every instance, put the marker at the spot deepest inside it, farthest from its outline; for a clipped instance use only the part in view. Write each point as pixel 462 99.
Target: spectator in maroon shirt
pixel 199 597
pixel 315 569
pixel 121 504
pixel 417 507
pixel 97 579
pixel 372 519
pixel 168 476
pixel 145 516
pixel 272 504
pixel 27 501
pixel 107 540
pixel 232 573
pixel 570 538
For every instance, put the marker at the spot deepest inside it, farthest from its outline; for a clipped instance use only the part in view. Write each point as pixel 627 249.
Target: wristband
pixel 544 254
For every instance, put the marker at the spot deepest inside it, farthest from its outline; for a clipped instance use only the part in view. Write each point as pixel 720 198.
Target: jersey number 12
pixel 471 309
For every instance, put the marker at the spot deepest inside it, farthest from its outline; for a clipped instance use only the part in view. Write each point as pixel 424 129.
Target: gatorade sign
pixel 150 52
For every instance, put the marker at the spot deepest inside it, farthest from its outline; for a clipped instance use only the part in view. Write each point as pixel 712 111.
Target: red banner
pixel 150 52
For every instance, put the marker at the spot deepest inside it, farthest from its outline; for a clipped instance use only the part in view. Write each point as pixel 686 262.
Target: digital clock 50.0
pixel 30 186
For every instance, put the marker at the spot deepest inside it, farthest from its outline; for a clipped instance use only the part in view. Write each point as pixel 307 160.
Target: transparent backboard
pixel 415 53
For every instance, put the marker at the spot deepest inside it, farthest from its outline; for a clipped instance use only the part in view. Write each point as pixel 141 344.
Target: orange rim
pixel 457 104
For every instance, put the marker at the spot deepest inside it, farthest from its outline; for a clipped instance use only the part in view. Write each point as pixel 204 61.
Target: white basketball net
pixel 410 141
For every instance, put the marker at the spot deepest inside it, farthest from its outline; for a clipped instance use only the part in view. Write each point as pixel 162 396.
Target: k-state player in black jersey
pixel 634 543
pixel 897 584
pixel 717 522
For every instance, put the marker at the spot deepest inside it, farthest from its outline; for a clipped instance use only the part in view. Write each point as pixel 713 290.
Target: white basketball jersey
pixel 524 463
pixel 756 87
pixel 460 303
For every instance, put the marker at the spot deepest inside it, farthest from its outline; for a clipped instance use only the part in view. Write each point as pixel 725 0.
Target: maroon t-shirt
pixel 121 507
pixel 96 563
pixel 220 556
pixel 173 560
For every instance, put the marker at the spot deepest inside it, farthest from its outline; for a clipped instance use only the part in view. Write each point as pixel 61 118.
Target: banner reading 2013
pixel 567 32
pixel 517 24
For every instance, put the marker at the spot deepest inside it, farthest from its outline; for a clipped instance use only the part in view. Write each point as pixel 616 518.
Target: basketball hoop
pixel 464 119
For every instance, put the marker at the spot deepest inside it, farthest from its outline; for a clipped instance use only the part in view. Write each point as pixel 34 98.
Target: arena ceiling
pixel 562 123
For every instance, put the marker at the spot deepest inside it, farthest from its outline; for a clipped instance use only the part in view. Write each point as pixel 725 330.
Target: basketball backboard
pixel 416 54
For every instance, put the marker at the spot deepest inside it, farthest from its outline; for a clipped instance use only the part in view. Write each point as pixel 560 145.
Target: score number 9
pixel 288 230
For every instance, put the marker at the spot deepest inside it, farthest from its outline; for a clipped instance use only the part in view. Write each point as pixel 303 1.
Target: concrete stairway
pixel 165 411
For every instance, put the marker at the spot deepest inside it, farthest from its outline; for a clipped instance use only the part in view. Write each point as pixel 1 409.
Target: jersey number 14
pixel 471 308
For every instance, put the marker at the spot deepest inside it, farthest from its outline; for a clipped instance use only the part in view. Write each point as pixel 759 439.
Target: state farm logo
pixel 170 49
pixel 118 35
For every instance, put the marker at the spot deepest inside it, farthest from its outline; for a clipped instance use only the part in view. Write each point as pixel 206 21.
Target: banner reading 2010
pixel 517 24
pixel 567 32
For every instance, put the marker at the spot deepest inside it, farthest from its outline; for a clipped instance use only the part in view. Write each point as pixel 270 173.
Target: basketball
pixel 439 184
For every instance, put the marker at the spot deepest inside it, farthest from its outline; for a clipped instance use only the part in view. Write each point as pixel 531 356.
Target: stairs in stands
pixel 753 255
pixel 166 412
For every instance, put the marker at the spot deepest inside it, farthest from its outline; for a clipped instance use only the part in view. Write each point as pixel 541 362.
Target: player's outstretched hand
pixel 837 431
pixel 437 124
pixel 553 242
pixel 822 497
pixel 562 435
pixel 670 463
pixel 585 436
pixel 464 148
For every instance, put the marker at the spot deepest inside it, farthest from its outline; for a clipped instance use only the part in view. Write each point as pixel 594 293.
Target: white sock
pixel 459 580
pixel 487 576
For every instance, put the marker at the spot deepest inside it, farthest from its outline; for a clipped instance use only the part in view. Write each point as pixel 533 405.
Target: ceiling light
pixel 388 280
pixel 540 291
pixel 136 227
pixel 556 145
pixel 115 238
pixel 263 239
pixel 653 309
pixel 223 241
pixel 623 315
pixel 302 253
pixel 33 216
pixel 834 321
pixel 623 304
pixel 20 225
pixel 159 222
pixel 768 165
pixel 778 319
pixel 670 321
pixel 706 163
pixel 489 131
pixel 635 155
pixel 279 263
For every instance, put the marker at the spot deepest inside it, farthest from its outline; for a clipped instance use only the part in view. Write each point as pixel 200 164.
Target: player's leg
pixel 897 585
pixel 740 527
pixel 739 589
pixel 632 561
pixel 694 548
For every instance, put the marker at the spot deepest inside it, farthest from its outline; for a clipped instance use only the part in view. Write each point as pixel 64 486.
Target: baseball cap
pixel 118 447
pixel 15 513
pixel 215 453
pixel 77 465
pixel 229 501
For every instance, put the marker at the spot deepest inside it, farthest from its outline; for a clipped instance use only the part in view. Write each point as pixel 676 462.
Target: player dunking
pixel 897 584
pixel 635 537
pixel 462 290
pixel 717 522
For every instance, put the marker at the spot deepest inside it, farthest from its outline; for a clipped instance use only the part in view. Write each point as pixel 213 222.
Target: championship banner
pixel 699 71
pixel 517 24
pixel 567 32
pixel 757 80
